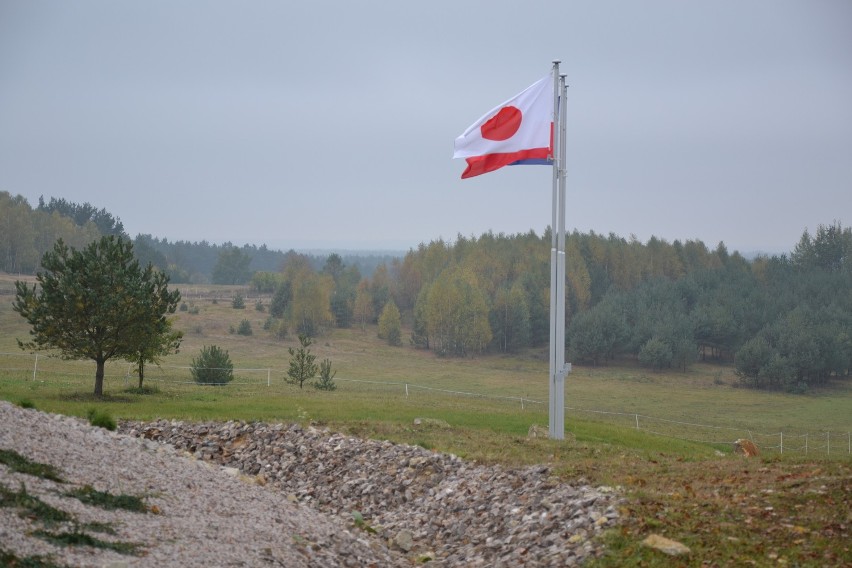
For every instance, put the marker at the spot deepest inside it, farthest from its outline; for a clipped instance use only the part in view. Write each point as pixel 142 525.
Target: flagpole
pixel 552 427
pixel 562 368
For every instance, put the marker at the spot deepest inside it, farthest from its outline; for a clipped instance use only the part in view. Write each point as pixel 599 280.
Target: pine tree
pixel 302 365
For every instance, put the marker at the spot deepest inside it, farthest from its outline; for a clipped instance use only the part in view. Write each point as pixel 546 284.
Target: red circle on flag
pixel 502 125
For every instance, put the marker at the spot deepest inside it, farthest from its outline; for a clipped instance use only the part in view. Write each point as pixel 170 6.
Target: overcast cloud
pixel 331 124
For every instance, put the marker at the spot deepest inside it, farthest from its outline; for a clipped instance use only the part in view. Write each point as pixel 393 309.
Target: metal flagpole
pixel 562 368
pixel 558 366
pixel 553 429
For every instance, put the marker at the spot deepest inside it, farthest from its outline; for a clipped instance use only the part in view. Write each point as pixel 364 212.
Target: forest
pixel 784 321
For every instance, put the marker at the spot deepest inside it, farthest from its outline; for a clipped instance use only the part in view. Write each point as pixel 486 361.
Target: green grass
pixel 79 538
pixel 101 419
pixel 37 561
pixel 681 481
pixel 707 394
pixel 91 496
pixel 32 506
pixel 16 462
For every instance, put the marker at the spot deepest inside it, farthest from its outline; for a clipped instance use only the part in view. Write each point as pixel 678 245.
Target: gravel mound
pixel 425 504
pixel 198 515
pixel 256 494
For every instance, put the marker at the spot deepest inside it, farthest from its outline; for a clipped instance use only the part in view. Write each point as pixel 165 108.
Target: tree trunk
pixel 141 372
pixel 99 378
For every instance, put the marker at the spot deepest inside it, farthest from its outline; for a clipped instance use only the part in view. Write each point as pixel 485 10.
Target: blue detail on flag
pixel 533 162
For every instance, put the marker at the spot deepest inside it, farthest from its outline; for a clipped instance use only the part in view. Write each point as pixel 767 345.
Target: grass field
pixel 777 509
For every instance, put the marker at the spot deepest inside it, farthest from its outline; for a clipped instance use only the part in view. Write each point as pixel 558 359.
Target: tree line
pixel 27 233
pixel 784 321
pixel 203 262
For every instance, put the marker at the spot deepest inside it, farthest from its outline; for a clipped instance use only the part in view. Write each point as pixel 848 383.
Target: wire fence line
pixel 43 369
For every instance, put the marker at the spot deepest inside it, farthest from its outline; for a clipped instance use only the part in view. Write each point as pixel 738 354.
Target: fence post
pixel 828 442
pixel 806 443
pixel 406 390
pixel 637 421
pixel 268 377
pixel 522 403
pixel 35 367
pixel 849 437
pixel 782 442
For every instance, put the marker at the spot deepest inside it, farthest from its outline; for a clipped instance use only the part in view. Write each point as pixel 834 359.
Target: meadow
pixel 681 480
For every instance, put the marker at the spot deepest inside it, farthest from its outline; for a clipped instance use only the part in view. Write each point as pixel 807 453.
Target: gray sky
pixel 331 124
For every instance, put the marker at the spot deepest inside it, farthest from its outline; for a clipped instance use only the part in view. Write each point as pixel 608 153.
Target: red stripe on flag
pixel 479 165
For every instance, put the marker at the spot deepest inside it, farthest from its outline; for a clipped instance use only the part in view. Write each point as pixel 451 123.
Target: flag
pixel 519 131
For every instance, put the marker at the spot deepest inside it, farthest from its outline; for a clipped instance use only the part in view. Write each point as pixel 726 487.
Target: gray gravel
pixel 256 494
pixel 207 517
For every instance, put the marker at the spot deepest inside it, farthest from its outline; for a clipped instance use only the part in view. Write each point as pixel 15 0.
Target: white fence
pixel 25 367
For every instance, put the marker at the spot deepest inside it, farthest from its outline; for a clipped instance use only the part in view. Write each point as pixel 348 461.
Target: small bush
pixel 212 367
pixel 238 303
pixel 326 378
pixel 183 307
pixel 26 403
pixel 244 328
pixel 101 419
pixel 259 306
pixel 194 310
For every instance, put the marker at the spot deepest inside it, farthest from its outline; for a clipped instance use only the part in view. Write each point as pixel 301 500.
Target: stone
pixel 536 431
pixel 404 540
pixel 435 422
pixel 665 545
pixel 746 448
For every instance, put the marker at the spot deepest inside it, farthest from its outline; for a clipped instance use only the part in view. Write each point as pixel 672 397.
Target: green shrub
pixel 26 403
pixel 212 367
pixel 244 328
pixel 238 303
pixel 259 306
pixel 326 377
pixel 101 419
pixel 183 307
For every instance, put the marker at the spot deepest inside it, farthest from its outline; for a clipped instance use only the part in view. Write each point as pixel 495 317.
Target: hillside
pixel 726 508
